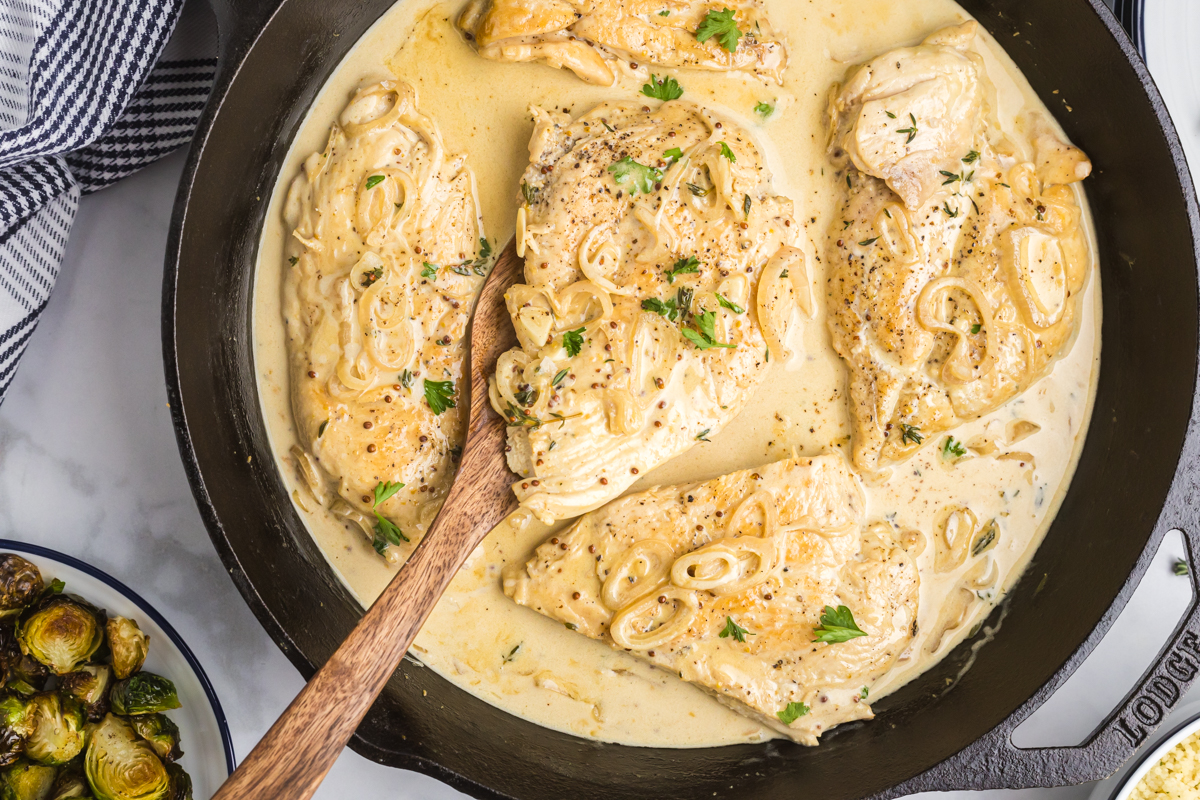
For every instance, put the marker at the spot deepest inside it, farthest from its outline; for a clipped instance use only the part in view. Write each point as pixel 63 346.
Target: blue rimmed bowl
pixel 207 745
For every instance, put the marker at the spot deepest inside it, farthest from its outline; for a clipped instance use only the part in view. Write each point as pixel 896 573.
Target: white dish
pixel 1182 723
pixel 204 733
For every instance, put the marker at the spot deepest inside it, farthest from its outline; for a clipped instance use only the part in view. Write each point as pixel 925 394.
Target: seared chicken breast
pixel 762 587
pixel 957 259
pixel 661 274
pixel 596 39
pixel 381 277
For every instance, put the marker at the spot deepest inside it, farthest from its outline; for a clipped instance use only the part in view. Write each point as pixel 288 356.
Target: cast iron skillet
pixel 1137 480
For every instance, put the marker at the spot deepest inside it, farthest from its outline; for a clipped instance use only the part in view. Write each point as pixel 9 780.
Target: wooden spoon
pixel 296 753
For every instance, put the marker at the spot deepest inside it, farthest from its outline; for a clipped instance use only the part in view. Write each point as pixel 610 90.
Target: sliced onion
pixel 959 367
pixel 726 566
pixel 396 98
pixel 600 256
pixel 777 297
pixel 630 626
pixel 640 570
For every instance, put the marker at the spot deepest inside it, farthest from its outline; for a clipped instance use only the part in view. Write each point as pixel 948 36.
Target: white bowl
pixel 1183 722
pixel 204 733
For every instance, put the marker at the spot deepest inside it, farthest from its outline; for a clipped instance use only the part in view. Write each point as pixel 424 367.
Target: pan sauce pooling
pixel 531 664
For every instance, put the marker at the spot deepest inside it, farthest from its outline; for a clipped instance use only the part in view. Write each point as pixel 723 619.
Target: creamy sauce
pixel 531 665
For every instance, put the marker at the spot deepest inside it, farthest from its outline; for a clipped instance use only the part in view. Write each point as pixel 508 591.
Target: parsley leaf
pixel 429 271
pixel 656 306
pixel 732 306
pixel 952 448
pixel 641 178
pixel 674 154
pixel 793 712
pixel 374 181
pixel 734 630
pixel 386 531
pixel 725 151
pixel 384 490
pixel 665 12
pixel 370 276
pixel 530 193
pixel 910 434
pixel 439 395
pixel 723 26
pixel 573 341
pixel 837 625
pixel 976 328
pixel 705 338
pixel 665 88
pixel 764 110
pixel 684 266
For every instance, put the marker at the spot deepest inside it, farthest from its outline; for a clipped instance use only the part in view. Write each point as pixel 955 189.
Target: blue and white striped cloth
pixel 90 91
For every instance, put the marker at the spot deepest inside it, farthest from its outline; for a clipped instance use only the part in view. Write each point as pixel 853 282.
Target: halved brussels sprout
pixel 90 686
pixel 61 631
pixel 57 735
pixel 128 645
pixel 15 727
pixel 27 677
pixel 144 693
pixel 27 781
pixel 121 766
pixel 71 785
pixel 181 783
pixel 20 582
pixel 160 732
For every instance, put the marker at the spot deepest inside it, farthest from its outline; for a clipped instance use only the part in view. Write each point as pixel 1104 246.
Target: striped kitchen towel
pixel 90 91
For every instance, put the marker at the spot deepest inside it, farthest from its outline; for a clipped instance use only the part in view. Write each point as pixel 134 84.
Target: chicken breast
pixel 762 587
pixel 661 275
pixel 958 257
pixel 381 278
pixel 597 39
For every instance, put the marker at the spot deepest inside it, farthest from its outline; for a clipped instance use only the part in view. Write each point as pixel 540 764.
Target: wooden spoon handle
pixel 292 759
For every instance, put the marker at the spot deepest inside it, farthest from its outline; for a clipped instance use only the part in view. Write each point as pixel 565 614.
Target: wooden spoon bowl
pixel 294 756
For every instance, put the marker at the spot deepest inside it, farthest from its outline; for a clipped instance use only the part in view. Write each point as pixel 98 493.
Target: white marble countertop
pixel 89 466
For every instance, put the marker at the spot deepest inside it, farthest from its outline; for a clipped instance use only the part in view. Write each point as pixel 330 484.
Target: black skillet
pixel 1136 481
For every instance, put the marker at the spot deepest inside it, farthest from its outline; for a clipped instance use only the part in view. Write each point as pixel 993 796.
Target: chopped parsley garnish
pixel 439 395
pixel 722 26
pixel 911 130
pixel 666 12
pixel 910 434
pixel 952 448
pixel 971 157
pixel 374 181
pixel 656 306
pixel 705 338
pixel 868 242
pixel 699 191
pixel 294 260
pixel 746 206
pixel 725 151
pixel 406 379
pixel 837 625
pixel 734 630
pixel 792 712
pixel 664 88
pixel 976 328
pixel 530 193
pixel 370 276
pixel 684 266
pixel 764 110
pixel 673 155
pixel 702 436
pixel 429 271
pixel 639 177
pixel 732 306
pixel 863 693
pixel 573 341
pixel 559 377
pixel 386 531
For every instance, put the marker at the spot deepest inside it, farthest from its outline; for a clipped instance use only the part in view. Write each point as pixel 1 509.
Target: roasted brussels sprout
pixel 15 727
pixel 128 645
pixel 57 734
pixel 144 693
pixel 181 783
pixel 121 766
pixel 160 732
pixel 28 677
pixel 20 582
pixel 61 631
pixel 27 781
pixel 71 784
pixel 90 686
